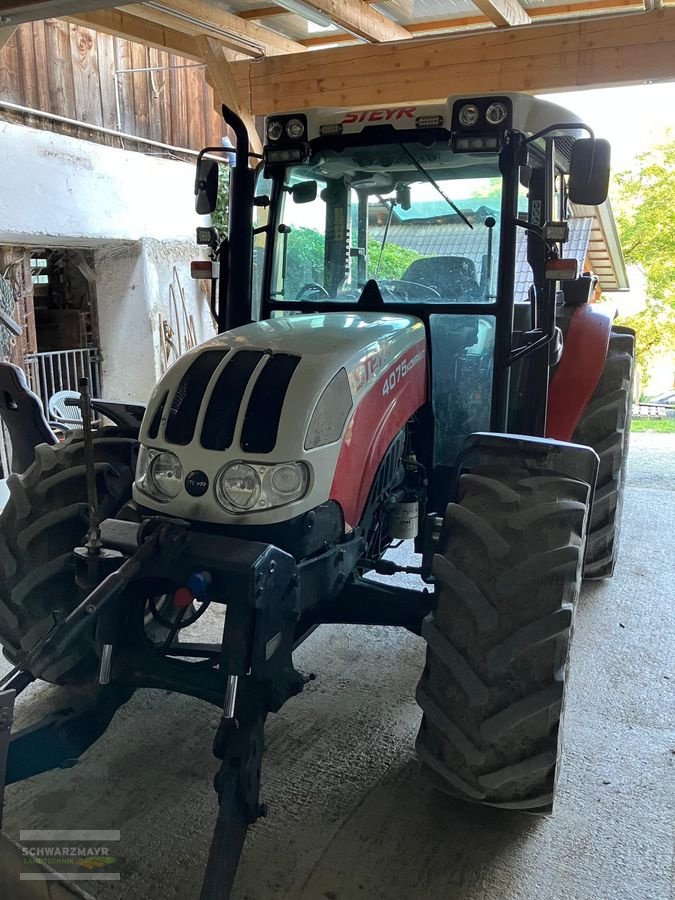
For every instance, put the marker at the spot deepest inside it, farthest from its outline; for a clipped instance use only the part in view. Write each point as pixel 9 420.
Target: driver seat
pixel 453 277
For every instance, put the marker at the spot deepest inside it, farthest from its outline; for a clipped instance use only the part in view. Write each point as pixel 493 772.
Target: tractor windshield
pixel 420 220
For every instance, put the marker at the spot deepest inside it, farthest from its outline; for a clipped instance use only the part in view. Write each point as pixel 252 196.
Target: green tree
pixel 645 204
pixel 220 215
pixel 395 260
pixel 304 259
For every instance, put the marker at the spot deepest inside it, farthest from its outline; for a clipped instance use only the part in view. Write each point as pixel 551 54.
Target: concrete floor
pixel 351 817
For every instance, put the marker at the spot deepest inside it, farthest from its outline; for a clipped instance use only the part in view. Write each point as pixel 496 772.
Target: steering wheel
pixel 408 290
pixel 311 291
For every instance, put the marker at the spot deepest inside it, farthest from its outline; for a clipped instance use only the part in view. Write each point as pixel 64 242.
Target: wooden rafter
pixel 120 23
pixel 355 16
pixel 361 19
pixel 219 73
pixel 198 17
pixel 262 12
pixel 592 52
pixel 460 23
pixel 14 13
pixel 503 12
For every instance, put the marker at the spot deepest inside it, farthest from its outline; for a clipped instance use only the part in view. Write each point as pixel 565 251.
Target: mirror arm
pixel 562 126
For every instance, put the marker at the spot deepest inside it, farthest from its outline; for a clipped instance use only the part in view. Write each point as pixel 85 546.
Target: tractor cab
pixel 454 213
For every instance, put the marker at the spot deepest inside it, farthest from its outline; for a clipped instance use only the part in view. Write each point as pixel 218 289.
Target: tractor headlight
pixel 246 487
pixel 238 487
pixel 159 473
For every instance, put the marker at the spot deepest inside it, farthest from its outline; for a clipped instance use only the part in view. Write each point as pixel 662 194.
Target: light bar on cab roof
pixel 429 121
pixel 477 143
pixel 330 128
pixel 291 154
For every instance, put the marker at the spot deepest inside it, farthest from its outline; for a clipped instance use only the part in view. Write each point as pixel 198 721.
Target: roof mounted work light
pixel 479 124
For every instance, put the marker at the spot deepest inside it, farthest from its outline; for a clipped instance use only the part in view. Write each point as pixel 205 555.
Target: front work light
pixel 295 129
pixel 274 130
pixel 496 113
pixel 469 115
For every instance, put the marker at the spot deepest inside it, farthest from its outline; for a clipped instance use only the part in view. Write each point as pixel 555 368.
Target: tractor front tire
pixel 605 426
pixel 44 520
pixel 508 574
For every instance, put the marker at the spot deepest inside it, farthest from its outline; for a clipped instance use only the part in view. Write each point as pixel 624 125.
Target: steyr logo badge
pixel 196 483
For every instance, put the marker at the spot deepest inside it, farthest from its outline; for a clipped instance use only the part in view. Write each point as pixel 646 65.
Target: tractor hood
pixel 278 397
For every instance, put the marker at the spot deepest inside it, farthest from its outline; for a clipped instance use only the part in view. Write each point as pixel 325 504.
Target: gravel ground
pixel 351 817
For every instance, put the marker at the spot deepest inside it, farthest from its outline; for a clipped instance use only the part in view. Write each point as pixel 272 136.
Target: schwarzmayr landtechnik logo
pixel 85 855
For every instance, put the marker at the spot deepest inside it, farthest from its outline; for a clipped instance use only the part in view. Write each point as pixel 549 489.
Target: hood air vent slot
pixel 263 414
pixel 187 400
pixel 221 415
pixel 153 430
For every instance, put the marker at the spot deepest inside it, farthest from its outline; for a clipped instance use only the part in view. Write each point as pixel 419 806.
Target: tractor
pixel 405 354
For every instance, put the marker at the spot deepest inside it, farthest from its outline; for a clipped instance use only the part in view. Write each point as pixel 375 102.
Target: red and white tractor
pixel 406 353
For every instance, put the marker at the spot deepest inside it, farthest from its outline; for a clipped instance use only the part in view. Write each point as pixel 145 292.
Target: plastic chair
pixel 65 415
pixel 22 412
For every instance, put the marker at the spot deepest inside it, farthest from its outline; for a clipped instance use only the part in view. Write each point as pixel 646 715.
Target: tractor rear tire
pixel 44 519
pixel 508 574
pixel 605 426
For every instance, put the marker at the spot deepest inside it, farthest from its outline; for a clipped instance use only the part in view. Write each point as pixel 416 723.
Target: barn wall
pixel 59 187
pixel 139 287
pixel 137 213
pixel 69 70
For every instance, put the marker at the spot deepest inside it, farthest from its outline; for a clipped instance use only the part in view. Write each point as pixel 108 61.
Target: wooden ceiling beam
pixel 197 17
pixel 591 52
pixel 503 13
pixel 355 16
pixel 458 23
pixel 263 12
pixel 326 40
pixel 226 90
pixel 15 13
pixel 134 28
pixel 361 19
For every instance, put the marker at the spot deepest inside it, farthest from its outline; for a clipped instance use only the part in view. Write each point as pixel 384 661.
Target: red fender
pixel 579 371
pixel 382 413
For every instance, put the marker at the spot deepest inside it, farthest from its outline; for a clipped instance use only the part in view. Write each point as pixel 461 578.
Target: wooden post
pixel 225 87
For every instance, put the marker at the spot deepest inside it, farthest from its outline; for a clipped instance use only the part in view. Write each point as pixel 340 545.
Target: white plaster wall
pixel 136 212
pixel 58 187
pixel 134 289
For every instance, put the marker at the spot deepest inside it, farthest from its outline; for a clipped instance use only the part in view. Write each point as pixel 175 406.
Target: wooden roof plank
pixel 227 91
pixel 15 13
pixel 363 20
pixel 602 51
pixel 119 23
pixel 503 12
pixel 198 17
pixel 356 16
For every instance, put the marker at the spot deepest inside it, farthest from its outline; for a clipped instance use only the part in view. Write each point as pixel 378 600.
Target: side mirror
pixel 206 187
pixel 304 192
pixel 589 171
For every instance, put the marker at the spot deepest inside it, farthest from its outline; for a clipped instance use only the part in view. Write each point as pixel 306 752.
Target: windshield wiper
pixel 392 204
pixel 433 181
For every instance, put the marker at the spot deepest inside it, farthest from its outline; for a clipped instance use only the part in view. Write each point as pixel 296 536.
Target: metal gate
pixel 61 370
